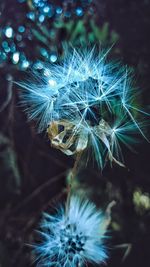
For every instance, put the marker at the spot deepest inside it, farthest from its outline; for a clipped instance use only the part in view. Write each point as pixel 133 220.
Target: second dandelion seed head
pixel 74 237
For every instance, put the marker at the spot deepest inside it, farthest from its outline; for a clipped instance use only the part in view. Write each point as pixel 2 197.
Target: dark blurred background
pixel 32 174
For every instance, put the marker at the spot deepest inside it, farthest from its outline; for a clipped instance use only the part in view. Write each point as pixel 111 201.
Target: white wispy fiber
pixel 95 96
pixel 72 238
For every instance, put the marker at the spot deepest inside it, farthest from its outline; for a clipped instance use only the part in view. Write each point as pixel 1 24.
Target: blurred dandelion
pixel 72 237
pixel 85 102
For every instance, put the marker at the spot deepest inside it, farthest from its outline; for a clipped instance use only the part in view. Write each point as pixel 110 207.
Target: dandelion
pixel 38 98
pixel 85 102
pixel 72 237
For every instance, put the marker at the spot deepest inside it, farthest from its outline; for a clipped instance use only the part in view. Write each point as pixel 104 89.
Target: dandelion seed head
pixel 73 237
pixel 94 95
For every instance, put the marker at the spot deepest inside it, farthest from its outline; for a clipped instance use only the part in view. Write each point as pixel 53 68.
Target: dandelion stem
pixel 72 176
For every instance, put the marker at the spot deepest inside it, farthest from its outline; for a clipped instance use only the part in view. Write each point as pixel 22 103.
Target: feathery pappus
pixel 85 102
pixel 72 238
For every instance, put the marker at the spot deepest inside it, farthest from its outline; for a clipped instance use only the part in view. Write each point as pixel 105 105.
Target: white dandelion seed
pixel 39 99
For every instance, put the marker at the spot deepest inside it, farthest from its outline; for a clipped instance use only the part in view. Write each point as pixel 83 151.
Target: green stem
pixel 73 174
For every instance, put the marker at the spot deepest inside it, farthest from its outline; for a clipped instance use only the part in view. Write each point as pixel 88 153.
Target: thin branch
pixel 38 190
pixel 9 93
